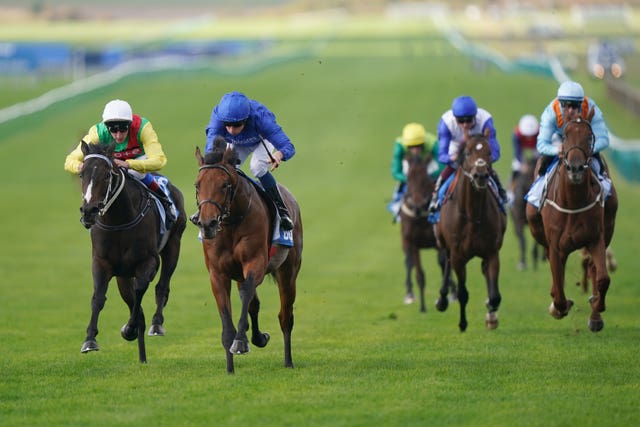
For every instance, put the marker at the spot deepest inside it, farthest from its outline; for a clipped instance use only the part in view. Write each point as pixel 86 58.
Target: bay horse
pixel 125 229
pixel 234 219
pixel 575 214
pixel 472 225
pixel 416 230
pixel 521 186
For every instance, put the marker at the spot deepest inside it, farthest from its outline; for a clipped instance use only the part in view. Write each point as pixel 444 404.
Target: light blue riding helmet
pixel 464 106
pixel 570 91
pixel 233 107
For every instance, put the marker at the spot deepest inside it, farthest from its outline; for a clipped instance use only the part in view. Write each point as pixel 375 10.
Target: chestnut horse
pixel 125 236
pixel 574 214
pixel 472 225
pixel 521 185
pixel 236 226
pixel 416 230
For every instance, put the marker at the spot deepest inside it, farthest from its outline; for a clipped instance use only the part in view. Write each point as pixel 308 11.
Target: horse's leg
pixel 585 262
pixel 259 339
pixel 451 284
pixel 459 266
pixel 443 302
pixel 600 284
pixel 132 294
pixel 247 291
pixel 491 270
pixel 100 284
pixel 522 244
pixel 612 263
pixel 169 255
pixel 221 289
pixel 560 305
pixel 409 298
pixel 286 278
pixel 420 279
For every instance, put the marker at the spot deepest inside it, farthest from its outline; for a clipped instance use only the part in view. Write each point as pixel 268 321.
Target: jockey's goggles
pixel 465 119
pixel 118 126
pixel 234 124
pixel 570 104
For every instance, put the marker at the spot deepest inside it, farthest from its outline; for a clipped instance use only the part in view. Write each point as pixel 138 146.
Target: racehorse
pixel 521 185
pixel 126 239
pixel 236 226
pixel 575 214
pixel 417 232
pixel 472 225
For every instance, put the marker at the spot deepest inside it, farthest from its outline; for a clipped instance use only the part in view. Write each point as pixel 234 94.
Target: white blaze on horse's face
pixel 478 147
pixel 87 194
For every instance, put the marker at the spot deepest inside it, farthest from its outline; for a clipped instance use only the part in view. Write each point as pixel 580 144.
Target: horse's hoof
pixel 442 304
pixel 521 266
pixel 491 320
pixel 128 333
pixel 409 299
pixel 596 325
pixel 557 314
pixel 239 347
pixel 156 331
pixel 90 345
pixel 462 326
pixel 261 340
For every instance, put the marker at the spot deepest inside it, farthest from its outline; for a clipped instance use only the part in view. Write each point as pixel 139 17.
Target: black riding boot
pixel 170 217
pixel 285 220
pixel 433 205
pixel 544 164
pixel 501 192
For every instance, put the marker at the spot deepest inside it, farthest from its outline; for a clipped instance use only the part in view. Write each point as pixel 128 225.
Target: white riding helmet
pixel 117 110
pixel 528 125
pixel 570 91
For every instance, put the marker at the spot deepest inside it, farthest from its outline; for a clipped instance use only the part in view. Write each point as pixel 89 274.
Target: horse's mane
pixel 221 152
pixel 99 148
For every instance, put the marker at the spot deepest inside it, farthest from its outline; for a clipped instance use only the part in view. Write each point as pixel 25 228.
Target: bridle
pixel 224 208
pixel 112 194
pixel 587 155
pixel 479 163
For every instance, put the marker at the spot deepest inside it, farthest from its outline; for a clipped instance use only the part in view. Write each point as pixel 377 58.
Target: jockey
pixel 463 115
pixel 570 104
pixel 136 149
pixel 525 136
pixel 417 140
pixel 250 127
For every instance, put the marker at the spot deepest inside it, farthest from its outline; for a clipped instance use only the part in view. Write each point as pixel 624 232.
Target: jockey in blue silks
pixel 570 104
pixel 250 127
pixel 463 115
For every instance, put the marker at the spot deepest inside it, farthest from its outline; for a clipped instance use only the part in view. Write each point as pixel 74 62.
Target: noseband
pixel 479 163
pixel 225 207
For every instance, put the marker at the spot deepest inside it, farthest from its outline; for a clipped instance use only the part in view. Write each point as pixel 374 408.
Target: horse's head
pixel 215 187
pixel 577 149
pixel 419 184
pixel 475 159
pixel 97 177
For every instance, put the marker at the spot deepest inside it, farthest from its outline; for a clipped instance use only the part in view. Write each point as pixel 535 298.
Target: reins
pixel 225 207
pixel 110 197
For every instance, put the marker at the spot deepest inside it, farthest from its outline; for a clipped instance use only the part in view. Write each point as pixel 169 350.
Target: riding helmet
pixel 464 106
pixel 413 134
pixel 570 91
pixel 233 107
pixel 528 125
pixel 117 110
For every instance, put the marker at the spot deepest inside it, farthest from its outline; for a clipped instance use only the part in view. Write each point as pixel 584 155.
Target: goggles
pixel 571 104
pixel 118 126
pixel 465 119
pixel 234 124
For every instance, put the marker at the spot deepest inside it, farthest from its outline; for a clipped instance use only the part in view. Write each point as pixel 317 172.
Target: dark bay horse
pixel 417 232
pixel 575 214
pixel 472 225
pixel 522 184
pixel 237 231
pixel 125 237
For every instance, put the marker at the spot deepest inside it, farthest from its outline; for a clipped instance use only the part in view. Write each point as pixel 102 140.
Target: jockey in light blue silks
pixel 570 104
pixel 463 115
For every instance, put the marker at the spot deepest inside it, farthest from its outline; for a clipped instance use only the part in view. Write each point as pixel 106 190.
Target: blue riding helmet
pixel 570 91
pixel 464 106
pixel 233 107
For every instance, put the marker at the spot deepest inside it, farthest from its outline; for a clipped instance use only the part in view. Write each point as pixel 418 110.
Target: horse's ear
pixel 84 147
pixel 199 156
pixel 109 149
pixel 219 143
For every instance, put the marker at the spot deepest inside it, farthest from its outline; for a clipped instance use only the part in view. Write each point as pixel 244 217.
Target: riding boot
pixel 168 207
pixel 285 220
pixel 433 204
pixel 501 192
pixel 544 164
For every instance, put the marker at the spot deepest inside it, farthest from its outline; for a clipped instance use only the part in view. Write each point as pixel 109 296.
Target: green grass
pixel 361 356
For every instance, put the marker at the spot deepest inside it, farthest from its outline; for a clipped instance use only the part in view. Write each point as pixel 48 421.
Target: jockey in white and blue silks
pixel 250 127
pixel 463 115
pixel 570 104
